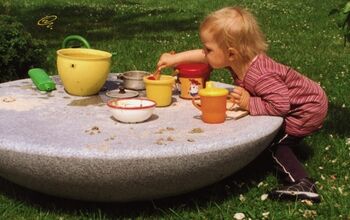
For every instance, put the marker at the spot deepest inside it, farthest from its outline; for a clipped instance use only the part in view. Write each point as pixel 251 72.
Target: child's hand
pixel 166 60
pixel 241 97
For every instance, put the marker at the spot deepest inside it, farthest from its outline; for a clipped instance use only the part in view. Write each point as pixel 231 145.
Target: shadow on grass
pixel 234 185
pixel 338 121
pixel 122 21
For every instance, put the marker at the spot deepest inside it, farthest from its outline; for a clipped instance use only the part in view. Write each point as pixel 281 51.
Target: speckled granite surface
pixel 71 146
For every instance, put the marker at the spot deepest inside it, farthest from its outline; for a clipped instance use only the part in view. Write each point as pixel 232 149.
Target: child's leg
pixel 300 186
pixel 286 161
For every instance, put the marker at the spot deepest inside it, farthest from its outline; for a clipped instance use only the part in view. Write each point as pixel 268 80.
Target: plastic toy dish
pixel 131 110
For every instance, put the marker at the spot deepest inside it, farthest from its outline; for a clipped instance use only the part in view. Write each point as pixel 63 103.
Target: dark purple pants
pixel 287 163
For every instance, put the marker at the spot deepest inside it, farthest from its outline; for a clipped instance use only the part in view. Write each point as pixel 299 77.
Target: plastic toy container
pixel 212 103
pixel 192 78
pixel 160 90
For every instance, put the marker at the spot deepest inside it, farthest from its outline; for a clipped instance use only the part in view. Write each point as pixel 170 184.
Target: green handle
pixel 75 38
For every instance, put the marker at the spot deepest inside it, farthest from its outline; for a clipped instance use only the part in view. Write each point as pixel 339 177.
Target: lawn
pixel 300 34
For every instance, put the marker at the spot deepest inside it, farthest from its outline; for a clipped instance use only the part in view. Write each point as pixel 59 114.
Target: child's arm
pixel 190 56
pixel 271 97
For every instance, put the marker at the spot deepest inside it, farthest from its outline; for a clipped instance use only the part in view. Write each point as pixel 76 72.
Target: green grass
pixel 300 33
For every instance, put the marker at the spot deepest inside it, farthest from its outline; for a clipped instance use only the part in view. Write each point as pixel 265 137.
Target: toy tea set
pixel 84 71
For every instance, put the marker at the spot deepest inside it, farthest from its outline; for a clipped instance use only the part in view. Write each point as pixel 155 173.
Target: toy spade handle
pixel 75 38
pixel 41 80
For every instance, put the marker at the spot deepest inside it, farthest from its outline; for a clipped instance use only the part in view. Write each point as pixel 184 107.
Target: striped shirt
pixel 279 90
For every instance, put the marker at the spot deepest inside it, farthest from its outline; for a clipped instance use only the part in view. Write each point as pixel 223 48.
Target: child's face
pixel 216 56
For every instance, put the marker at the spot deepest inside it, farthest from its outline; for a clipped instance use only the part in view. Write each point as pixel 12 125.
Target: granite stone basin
pixel 72 147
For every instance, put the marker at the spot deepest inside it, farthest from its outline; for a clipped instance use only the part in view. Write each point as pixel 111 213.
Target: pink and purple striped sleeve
pixel 271 97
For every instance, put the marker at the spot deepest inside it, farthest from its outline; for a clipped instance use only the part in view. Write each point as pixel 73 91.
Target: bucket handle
pixel 75 38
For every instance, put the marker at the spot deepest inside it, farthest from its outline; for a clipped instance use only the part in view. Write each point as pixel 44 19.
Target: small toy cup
pixel 191 78
pixel 212 104
pixel 160 90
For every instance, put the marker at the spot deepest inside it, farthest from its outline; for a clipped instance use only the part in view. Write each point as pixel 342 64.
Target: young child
pixel 232 39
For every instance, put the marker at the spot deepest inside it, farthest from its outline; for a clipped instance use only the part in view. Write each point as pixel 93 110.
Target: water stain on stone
pixel 24 87
pixel 93 100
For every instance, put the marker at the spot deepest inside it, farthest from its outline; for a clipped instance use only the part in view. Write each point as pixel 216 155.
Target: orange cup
pixel 212 104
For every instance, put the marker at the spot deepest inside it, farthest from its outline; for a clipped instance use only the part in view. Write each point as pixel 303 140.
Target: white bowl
pixel 131 110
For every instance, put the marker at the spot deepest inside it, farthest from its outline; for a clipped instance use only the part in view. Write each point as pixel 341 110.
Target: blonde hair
pixel 234 27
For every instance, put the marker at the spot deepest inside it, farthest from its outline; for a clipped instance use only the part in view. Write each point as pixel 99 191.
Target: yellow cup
pixel 160 90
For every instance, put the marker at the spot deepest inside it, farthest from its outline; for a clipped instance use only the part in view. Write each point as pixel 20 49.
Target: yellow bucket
pixel 83 71
pixel 160 90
